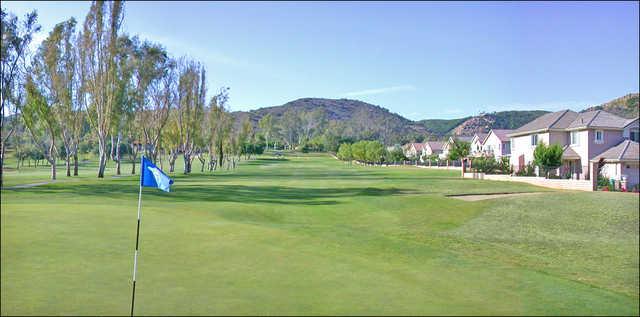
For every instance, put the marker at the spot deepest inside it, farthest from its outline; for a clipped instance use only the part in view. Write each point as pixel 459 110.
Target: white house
pixel 497 143
pixel 621 163
pixel 476 144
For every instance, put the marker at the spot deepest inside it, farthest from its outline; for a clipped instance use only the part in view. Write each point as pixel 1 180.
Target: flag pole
pixel 135 254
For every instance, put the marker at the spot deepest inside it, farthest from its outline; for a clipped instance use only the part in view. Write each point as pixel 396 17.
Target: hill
pixel 625 106
pixel 481 123
pixel 349 118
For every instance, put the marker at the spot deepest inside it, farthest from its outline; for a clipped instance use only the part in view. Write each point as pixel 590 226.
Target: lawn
pixel 309 235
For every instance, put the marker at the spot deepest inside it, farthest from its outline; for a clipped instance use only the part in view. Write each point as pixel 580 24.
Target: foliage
pixel 527 170
pixel 395 155
pixel 344 152
pixel 485 164
pixel 459 150
pixel 547 157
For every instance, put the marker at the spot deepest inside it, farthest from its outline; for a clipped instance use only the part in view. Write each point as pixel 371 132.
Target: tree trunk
pixel 117 154
pixel 75 163
pixel 68 164
pixel 102 157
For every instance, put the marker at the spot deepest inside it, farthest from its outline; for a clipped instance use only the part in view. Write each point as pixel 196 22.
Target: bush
pixel 528 170
pixel 485 164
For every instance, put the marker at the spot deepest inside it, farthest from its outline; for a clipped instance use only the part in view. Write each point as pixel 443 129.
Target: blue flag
pixel 152 176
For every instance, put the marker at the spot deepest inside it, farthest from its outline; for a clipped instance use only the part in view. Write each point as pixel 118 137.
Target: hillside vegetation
pixel 625 106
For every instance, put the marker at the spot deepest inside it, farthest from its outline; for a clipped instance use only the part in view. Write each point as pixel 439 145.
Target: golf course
pixel 307 234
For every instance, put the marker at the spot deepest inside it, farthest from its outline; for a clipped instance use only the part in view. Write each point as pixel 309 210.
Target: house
pixel 432 148
pixel 447 145
pixel 476 144
pixel 621 163
pixel 631 130
pixel 497 144
pixel 582 136
pixel 413 150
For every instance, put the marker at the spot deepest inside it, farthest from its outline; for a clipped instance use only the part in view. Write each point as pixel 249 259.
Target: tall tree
pixel 40 119
pixel 57 61
pixel 190 108
pixel 99 59
pixel 152 70
pixel 16 37
pixel 266 127
pixel 218 128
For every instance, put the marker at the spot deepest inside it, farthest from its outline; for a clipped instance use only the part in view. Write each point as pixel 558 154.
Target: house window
pixel 634 135
pixel 534 139
pixel 599 136
pixel 575 138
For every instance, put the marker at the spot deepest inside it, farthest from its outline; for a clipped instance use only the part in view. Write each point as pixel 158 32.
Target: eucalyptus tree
pixel 152 71
pixel 190 108
pixel 39 116
pixel 246 136
pixel 218 128
pixel 124 107
pixel 56 65
pixel 16 37
pixel 99 60
pixel 266 127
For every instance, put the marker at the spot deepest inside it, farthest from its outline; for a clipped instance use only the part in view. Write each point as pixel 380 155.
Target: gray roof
pixel 501 134
pixel 465 138
pixel 627 150
pixel 555 120
pixel 481 136
pixel 598 119
pixel 569 153
pixel 435 145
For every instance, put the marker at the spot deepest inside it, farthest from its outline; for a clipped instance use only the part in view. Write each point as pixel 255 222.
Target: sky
pixel 422 60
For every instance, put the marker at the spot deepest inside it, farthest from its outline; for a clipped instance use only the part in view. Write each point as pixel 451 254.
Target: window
pixel 534 139
pixel 599 136
pixel 575 138
pixel 634 135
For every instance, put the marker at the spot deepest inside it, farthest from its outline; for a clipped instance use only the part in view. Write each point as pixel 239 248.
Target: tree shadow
pixel 222 193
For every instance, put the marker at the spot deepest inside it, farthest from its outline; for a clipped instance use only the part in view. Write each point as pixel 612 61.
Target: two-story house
pixel 413 150
pixel 582 136
pixel 432 148
pixel 497 143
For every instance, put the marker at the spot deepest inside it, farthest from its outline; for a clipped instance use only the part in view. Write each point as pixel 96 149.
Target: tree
pixel 459 150
pixel 40 119
pixel 344 152
pixel 152 71
pixel 374 151
pixel 99 58
pixel 266 127
pixel 190 108
pixel 55 66
pixel 218 128
pixel 358 150
pixel 395 155
pixel 547 158
pixel 16 37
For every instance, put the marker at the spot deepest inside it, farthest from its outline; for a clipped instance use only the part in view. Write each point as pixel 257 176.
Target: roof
pixel 569 153
pixel 418 146
pixel 480 136
pixel 500 133
pixel 463 138
pixel 626 151
pixel 631 121
pixel 555 120
pixel 597 119
pixel 435 145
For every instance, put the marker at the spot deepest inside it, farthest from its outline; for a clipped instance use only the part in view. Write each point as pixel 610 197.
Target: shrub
pixel 547 157
pixel 528 170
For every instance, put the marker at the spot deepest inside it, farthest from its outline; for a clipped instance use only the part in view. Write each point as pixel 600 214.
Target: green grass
pixel 309 235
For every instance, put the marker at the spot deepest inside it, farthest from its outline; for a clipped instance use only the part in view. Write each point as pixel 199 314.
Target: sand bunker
pixel 477 197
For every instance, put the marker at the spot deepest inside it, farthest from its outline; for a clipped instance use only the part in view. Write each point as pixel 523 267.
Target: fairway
pixel 309 235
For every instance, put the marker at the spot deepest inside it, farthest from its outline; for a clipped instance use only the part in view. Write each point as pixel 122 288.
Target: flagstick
pixel 135 255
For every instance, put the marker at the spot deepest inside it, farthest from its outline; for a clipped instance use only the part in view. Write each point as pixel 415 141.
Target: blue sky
pixel 419 59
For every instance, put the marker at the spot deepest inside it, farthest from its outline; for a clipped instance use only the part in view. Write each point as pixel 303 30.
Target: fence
pixel 571 184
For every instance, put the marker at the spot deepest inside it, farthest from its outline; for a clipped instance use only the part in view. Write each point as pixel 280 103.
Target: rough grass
pixel 309 235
